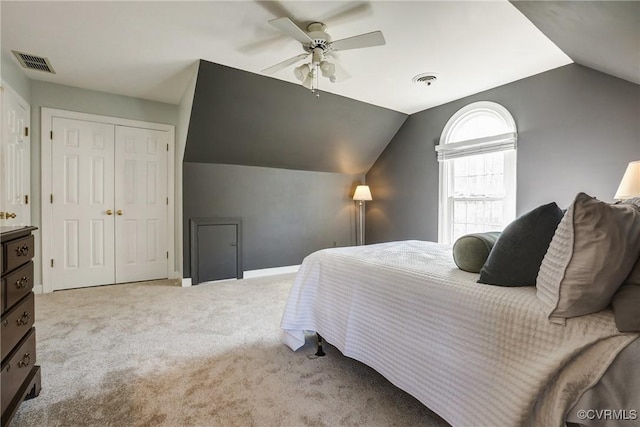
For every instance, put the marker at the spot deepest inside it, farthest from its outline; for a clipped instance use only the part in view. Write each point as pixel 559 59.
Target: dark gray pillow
pixel 516 257
pixel 472 250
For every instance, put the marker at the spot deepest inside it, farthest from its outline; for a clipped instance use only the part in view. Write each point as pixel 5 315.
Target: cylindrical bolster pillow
pixel 472 250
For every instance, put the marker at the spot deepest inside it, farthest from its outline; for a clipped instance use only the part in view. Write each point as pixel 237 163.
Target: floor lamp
pixel 361 195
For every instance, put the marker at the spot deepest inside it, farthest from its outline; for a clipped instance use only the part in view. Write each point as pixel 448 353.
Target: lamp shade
pixel 362 193
pixel 630 184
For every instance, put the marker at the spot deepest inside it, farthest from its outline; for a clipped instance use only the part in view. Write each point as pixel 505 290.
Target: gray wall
pixel 287 214
pixel 577 131
pixel 243 118
pixel 285 161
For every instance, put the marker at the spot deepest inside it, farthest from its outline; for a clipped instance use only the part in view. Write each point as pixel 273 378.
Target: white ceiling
pixel 146 49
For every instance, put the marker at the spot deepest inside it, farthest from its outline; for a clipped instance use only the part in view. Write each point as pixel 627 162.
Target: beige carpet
pixel 156 354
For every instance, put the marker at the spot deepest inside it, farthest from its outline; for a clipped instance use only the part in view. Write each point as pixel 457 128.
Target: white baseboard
pixel 253 273
pixel 217 281
pixel 271 271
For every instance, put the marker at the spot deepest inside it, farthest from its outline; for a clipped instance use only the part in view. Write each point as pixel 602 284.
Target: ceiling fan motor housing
pixel 317 33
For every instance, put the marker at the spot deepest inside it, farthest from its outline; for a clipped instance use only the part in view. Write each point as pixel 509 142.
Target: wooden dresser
pixel 20 377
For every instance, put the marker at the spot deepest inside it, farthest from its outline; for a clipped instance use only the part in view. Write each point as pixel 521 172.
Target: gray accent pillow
pixel 471 251
pixel 594 249
pixel 516 257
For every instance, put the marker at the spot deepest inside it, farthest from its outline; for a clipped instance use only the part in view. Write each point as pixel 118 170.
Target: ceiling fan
pixel 319 46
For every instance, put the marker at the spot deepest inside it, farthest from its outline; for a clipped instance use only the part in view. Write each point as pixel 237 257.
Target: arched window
pixel 477 156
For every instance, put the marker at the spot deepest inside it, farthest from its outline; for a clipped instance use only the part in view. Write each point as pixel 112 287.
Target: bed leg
pixel 320 352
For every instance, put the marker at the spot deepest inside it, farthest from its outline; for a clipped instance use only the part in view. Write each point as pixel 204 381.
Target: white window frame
pixel 505 142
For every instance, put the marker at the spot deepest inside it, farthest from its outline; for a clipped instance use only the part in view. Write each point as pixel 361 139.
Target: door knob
pixel 10 215
pixel 119 211
pixel 109 212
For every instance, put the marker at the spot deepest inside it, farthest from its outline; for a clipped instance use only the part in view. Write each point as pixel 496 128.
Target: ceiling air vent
pixel 426 79
pixel 34 62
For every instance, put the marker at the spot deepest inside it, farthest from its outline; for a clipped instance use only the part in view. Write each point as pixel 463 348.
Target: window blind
pixel 472 147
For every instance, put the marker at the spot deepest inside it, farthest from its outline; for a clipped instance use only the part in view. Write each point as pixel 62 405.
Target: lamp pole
pixel 360 240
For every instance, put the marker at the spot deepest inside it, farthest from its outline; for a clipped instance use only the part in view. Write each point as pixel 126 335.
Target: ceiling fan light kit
pixel 319 45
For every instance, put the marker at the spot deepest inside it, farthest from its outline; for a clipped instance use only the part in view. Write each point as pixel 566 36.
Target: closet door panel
pixel 82 203
pixel 15 161
pixel 141 204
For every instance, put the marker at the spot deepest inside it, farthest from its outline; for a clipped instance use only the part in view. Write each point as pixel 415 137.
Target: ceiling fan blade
pixel 356 42
pixel 346 13
pixel 287 26
pixel 275 8
pixel 341 74
pixel 332 54
pixel 284 64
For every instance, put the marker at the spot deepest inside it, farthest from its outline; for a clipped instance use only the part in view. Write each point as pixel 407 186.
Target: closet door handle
pixel 109 212
pixel 119 212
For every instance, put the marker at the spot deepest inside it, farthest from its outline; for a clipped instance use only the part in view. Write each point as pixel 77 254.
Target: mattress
pixel 473 353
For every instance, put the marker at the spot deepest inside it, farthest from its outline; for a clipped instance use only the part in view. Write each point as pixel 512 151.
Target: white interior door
pixel 141 204
pixel 15 158
pixel 82 203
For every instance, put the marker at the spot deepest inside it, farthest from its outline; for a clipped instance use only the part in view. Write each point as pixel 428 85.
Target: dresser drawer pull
pixel 26 359
pixel 5 323
pixel 24 319
pixel 22 282
pixel 23 250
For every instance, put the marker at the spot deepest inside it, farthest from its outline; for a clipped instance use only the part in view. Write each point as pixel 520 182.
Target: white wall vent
pixel 34 62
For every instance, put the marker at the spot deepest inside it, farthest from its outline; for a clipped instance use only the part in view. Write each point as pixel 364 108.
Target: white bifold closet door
pixel 109 204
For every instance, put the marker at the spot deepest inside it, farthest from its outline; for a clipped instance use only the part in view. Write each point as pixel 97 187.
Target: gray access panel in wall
pixel 216 249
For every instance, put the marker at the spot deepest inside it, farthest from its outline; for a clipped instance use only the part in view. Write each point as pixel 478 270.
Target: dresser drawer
pixel 17 252
pixel 16 323
pixel 17 367
pixel 17 284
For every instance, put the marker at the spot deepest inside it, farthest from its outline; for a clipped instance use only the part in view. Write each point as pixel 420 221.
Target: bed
pixel 475 354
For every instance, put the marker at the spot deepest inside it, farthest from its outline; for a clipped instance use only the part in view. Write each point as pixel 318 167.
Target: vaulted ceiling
pixel 144 48
pixel 603 35
pixel 240 116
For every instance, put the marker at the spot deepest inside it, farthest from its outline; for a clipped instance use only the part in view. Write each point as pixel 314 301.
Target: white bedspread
pixel 475 354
